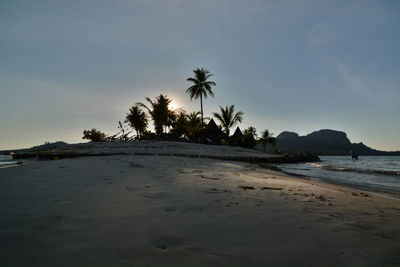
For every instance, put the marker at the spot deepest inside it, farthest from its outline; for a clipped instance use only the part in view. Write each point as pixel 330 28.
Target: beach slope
pixel 132 210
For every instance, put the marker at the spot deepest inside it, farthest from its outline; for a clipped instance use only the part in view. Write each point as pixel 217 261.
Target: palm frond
pixel 218 117
pixel 143 106
pixel 193 80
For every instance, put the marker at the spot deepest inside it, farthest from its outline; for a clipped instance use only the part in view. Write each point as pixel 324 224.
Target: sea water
pixel 6 161
pixel 375 173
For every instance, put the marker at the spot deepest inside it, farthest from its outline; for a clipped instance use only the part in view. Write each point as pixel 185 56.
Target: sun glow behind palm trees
pixel 173 105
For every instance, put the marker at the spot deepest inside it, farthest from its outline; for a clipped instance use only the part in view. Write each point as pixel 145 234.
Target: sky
pixel 289 65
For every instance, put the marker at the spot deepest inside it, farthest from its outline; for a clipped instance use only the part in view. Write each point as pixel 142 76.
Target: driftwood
pixel 119 137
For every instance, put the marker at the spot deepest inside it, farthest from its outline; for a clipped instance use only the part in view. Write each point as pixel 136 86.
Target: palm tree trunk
pixel 202 121
pixel 201 106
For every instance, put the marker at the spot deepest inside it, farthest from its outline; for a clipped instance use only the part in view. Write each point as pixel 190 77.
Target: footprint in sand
pixel 208 178
pixel 245 187
pixel 271 188
pixel 167 242
pixel 321 198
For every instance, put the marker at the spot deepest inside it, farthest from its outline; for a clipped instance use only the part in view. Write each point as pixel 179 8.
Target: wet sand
pixel 175 211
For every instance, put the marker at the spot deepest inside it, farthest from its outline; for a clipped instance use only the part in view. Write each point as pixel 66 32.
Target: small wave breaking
pixel 360 170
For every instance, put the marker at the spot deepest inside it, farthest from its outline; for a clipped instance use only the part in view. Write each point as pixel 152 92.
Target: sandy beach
pixel 132 210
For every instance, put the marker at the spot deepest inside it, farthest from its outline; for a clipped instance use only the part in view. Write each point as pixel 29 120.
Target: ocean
pixel 374 173
pixel 6 161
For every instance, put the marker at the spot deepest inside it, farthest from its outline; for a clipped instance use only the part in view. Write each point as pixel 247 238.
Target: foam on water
pixel 6 161
pixel 376 173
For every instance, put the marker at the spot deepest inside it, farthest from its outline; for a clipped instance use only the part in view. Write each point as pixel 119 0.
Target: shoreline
pixel 262 162
pixel 378 192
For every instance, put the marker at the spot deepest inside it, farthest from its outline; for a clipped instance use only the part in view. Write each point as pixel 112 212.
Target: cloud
pixel 352 80
pixel 369 87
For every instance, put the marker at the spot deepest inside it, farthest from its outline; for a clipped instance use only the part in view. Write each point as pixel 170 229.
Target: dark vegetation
pixel 94 135
pixel 179 125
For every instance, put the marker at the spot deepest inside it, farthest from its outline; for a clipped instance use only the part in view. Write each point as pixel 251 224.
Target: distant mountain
pixel 324 142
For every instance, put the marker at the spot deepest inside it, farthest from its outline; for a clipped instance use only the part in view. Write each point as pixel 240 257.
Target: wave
pixel 359 170
pixel 315 164
pixel 7 162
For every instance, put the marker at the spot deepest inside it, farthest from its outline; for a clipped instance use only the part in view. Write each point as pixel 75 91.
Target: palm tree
pixel 251 130
pixel 228 117
pixel 249 137
pixel 266 138
pixel 179 125
pixel 137 119
pixel 159 112
pixel 93 135
pixel 194 123
pixel 201 87
pixel 172 117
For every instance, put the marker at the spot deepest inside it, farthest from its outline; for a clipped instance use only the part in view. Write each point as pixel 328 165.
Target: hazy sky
pixel 301 66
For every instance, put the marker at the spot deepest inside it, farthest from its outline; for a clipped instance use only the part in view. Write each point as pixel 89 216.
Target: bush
pixel 93 135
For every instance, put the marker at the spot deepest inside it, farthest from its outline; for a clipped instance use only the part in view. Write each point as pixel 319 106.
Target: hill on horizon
pixel 325 142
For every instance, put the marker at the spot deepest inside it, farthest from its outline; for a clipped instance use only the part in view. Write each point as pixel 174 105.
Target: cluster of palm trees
pixel 179 123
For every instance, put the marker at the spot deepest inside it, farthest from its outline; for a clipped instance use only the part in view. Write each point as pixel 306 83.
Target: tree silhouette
pixel 159 112
pixel 266 138
pixel 194 124
pixel 179 125
pixel 251 130
pixel 249 137
pixel 137 119
pixel 93 135
pixel 201 88
pixel 228 118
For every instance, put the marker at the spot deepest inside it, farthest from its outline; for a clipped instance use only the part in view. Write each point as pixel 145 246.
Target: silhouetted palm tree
pixel 194 124
pixel 266 138
pixel 171 119
pixel 228 117
pixel 251 130
pixel 159 112
pixel 201 88
pixel 93 135
pixel 179 125
pixel 137 119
